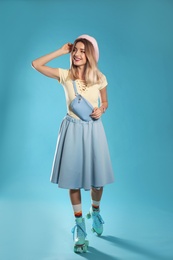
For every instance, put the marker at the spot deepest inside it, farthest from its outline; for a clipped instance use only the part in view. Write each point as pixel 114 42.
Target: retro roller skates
pixel 79 235
pixel 97 224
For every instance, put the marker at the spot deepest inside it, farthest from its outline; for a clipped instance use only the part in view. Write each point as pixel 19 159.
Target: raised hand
pixel 66 48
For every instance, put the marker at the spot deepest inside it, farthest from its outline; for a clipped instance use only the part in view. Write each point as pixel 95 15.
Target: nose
pixel 77 52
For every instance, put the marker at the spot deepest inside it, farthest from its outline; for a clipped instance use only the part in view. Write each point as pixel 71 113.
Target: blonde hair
pixel 92 73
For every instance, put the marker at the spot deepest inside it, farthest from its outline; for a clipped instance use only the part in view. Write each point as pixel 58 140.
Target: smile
pixel 76 59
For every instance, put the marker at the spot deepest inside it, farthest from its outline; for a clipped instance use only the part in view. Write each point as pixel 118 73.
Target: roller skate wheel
pixel 87 243
pixel 81 248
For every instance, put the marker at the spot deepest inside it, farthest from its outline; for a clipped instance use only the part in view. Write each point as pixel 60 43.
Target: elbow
pixel 33 65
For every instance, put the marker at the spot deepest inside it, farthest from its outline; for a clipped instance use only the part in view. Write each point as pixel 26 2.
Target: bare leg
pixel 96 194
pixel 75 197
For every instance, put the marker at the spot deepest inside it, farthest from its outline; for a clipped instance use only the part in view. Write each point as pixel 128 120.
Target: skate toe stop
pixel 88 216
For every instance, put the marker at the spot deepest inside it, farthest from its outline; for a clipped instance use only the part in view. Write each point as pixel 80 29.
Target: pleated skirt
pixel 82 158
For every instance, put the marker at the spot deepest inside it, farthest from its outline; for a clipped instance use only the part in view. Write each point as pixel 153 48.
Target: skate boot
pixel 97 225
pixel 79 235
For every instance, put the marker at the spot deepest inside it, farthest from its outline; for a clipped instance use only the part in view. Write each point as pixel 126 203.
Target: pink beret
pixel 94 43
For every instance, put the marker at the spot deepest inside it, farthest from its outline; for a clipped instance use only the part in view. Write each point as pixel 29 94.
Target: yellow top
pixel 91 93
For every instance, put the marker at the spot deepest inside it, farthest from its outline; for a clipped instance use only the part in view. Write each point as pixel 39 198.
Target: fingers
pixel 70 45
pixel 96 114
pixel 67 47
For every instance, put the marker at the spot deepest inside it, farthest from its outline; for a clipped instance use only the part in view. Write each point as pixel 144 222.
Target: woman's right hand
pixel 40 63
pixel 66 48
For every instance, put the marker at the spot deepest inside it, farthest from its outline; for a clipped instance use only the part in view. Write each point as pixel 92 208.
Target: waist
pixel 79 121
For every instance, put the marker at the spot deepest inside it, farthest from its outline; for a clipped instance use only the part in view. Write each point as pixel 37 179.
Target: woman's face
pixel 78 55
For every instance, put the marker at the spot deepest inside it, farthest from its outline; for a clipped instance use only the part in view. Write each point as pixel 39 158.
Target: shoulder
pixel 103 81
pixel 102 77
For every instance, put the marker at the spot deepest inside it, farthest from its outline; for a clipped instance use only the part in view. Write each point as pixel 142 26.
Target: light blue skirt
pixel 82 157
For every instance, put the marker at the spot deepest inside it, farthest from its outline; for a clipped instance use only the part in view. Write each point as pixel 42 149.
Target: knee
pixel 74 191
pixel 97 188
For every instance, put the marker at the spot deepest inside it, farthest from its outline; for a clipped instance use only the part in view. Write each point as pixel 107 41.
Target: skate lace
pixel 79 230
pixel 98 221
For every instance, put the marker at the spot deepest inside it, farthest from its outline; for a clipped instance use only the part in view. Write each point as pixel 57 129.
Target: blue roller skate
pixel 79 235
pixel 97 225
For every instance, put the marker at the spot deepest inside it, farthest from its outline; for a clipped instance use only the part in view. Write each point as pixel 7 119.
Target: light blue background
pixel 136 54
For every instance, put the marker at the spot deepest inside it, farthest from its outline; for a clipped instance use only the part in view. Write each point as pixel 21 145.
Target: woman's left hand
pixel 97 112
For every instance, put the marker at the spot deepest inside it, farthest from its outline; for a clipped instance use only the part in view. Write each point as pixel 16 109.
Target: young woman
pixel 82 159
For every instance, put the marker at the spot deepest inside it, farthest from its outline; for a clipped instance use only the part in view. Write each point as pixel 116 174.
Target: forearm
pixel 46 58
pixel 39 64
pixel 104 106
pixel 104 100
